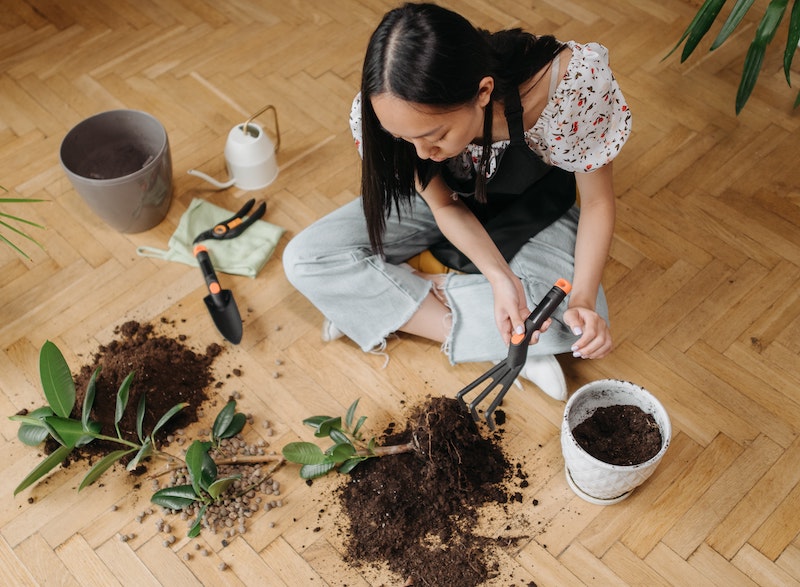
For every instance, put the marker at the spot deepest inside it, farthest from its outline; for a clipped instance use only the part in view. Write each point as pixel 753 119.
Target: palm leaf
pixel 792 41
pixel 698 27
pixel 755 54
pixel 734 18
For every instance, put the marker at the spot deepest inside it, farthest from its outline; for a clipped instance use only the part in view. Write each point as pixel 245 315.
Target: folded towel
pixel 245 254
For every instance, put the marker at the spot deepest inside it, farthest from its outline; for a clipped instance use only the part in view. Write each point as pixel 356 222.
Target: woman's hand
pixel 595 337
pixel 510 308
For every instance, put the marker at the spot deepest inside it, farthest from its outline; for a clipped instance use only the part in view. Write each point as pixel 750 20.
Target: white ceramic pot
pixel 592 479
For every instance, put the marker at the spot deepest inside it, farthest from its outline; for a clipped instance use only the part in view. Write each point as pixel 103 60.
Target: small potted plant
pixel 613 435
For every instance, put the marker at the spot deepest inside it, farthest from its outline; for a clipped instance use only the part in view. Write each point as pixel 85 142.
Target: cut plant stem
pixel 381 451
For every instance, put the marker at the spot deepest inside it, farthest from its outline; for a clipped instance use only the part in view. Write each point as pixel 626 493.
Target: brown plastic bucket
pixel 119 162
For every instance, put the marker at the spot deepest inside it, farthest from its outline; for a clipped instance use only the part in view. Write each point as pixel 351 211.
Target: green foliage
pixel 55 421
pixel 5 224
pixel 765 33
pixel 206 487
pixel 348 450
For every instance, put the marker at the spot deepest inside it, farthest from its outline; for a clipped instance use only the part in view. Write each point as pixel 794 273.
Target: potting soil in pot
pixel 619 435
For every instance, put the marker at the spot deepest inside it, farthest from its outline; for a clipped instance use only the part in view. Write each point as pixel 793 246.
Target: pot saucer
pixel 591 499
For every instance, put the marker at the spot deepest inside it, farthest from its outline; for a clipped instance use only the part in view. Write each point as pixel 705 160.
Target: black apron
pixel 524 196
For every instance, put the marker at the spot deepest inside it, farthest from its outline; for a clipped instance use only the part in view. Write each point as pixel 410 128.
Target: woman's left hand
pixel 595 338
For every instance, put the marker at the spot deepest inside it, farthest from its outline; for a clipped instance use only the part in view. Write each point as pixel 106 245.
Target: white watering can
pixel 249 155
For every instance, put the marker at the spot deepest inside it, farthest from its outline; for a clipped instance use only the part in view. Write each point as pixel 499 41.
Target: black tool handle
pixel 518 348
pixel 210 276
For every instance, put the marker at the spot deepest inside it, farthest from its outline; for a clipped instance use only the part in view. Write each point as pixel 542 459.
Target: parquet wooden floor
pixel 702 284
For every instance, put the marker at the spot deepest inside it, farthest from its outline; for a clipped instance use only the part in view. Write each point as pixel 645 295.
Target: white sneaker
pixel 545 372
pixel 330 332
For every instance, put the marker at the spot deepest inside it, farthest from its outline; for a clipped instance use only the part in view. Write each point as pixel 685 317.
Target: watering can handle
pixel 275 118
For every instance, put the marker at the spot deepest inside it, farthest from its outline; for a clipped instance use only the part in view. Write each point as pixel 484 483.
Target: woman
pixel 435 93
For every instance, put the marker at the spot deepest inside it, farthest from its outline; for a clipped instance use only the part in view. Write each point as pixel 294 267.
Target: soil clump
pixel 166 372
pixel 417 511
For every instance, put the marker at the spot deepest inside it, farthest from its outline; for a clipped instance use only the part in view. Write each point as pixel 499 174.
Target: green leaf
pixel 755 54
pixel 102 466
pixel 223 420
pixel 144 451
pixel 140 418
pixel 194 531
pixel 88 399
pixel 202 469
pixel 339 437
pixel 792 40
pixel 228 423
pixel 328 425
pixel 57 382
pixel 357 429
pixel 351 413
pixel 316 421
pixel 340 452
pixel 698 27
pixel 314 471
pixel 32 434
pixel 34 418
pixel 175 498
pixel 70 432
pixel 52 461
pixel 168 416
pixel 122 398
pixel 304 453
pixel 219 486
pixel 734 18
pixel 350 464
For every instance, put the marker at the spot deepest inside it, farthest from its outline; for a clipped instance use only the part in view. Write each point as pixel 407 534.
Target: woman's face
pixel 435 133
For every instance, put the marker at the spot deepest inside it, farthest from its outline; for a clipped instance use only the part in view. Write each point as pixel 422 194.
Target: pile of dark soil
pixel 619 435
pixel 166 372
pixel 417 511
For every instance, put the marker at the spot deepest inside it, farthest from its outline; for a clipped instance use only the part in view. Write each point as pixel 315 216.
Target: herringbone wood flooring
pixel 702 283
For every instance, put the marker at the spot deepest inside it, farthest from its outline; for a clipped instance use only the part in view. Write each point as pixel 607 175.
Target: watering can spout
pixel 211 180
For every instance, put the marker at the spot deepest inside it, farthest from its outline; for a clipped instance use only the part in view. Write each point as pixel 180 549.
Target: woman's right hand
pixel 511 308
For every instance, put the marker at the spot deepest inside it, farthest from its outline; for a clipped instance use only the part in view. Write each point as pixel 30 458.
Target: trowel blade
pixel 225 314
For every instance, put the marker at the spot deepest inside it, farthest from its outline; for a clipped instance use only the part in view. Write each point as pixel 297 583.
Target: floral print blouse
pixel 583 126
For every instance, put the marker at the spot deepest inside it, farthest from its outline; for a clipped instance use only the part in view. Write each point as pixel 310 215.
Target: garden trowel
pixel 220 302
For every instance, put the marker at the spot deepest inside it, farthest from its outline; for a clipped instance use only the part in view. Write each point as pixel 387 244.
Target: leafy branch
pixel 54 421
pixel 348 450
pixel 765 32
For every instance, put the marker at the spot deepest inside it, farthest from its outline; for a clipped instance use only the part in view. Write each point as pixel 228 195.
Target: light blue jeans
pixel 368 297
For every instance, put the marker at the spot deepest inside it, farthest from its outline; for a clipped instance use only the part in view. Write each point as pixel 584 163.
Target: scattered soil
pixel 417 512
pixel 619 435
pixel 166 372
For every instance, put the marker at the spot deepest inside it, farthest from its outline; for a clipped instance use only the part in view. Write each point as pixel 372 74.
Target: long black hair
pixel 426 54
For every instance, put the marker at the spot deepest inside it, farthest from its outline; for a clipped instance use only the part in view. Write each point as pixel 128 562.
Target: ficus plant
pixel 349 448
pixel 54 421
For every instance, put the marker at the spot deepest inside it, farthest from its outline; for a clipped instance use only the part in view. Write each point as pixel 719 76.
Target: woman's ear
pixel 485 89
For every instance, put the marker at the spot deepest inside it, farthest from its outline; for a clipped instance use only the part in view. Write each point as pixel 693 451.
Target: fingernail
pixel 536 336
pixel 576 330
pixel 576 354
pixel 574 347
pixel 519 329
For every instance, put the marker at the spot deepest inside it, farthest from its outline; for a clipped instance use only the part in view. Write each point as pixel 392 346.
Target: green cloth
pixel 245 254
